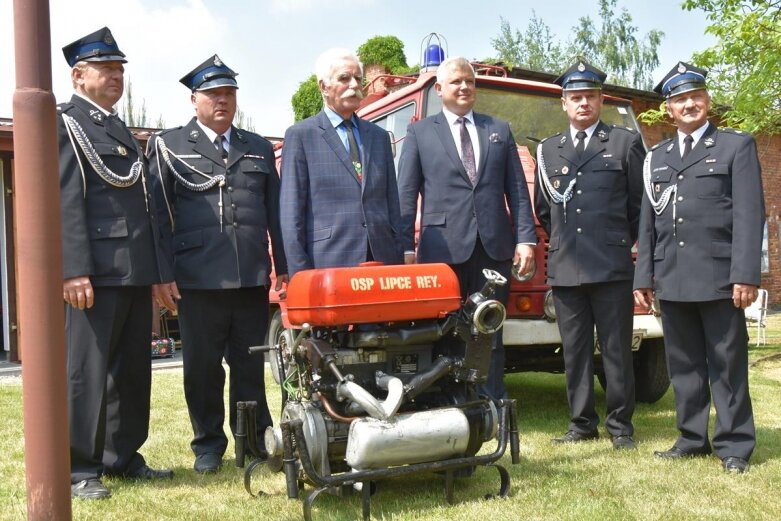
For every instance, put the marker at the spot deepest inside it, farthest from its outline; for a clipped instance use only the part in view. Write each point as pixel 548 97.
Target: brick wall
pixel 769 148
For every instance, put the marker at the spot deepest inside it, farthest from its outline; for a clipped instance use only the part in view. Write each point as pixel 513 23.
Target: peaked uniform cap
pixel 95 47
pixel 581 76
pixel 211 74
pixel 682 78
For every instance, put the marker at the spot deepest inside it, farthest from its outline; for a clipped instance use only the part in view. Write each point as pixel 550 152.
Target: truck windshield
pixel 532 115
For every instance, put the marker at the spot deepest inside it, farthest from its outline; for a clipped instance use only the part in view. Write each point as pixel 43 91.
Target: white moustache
pixel 349 93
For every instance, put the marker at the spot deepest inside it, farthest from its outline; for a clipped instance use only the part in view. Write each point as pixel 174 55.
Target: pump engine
pixel 381 380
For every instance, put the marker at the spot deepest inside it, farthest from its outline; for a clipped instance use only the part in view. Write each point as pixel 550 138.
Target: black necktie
pixel 355 155
pixel 467 152
pixel 220 143
pixel 581 144
pixel 687 145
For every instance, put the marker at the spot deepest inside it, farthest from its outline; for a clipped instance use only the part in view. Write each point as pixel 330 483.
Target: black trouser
pixel 471 279
pixel 707 342
pixel 109 381
pixel 608 306
pixel 216 324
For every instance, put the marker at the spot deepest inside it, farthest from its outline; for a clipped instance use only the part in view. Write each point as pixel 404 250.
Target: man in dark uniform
pixel 699 254
pixel 109 264
pixel 587 197
pixel 218 191
pixel 465 168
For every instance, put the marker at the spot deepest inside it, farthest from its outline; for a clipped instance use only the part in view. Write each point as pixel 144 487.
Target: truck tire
pixel 651 378
pixel 273 337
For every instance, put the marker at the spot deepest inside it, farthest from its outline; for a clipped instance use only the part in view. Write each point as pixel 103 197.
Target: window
pixel 396 123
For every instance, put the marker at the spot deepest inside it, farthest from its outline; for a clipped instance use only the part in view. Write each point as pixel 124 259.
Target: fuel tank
pixel 372 292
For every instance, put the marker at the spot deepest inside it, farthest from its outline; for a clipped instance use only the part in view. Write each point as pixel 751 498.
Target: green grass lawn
pixel 583 482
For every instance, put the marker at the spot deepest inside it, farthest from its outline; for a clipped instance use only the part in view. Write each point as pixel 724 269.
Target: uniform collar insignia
pixel 602 135
pixel 194 135
pixel 708 141
pixel 563 140
pixel 239 135
pixel 96 115
pixel 670 146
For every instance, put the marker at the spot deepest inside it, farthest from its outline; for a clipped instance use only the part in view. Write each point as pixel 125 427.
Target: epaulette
pixel 64 107
pixel 547 138
pixel 167 130
pixel 253 135
pixel 661 143
pixel 628 129
pixel 734 131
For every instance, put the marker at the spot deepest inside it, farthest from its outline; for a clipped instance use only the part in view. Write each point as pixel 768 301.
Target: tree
pixel 613 47
pixel 307 100
pixel 241 120
pixel 535 49
pixel 133 116
pixel 745 64
pixel 387 51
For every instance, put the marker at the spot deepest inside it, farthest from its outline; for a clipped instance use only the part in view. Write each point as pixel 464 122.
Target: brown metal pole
pixel 39 262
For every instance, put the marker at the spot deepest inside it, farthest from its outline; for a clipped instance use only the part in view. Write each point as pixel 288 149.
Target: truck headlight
pixel 548 307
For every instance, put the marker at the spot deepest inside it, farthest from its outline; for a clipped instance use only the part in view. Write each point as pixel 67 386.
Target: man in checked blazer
pixel 699 254
pixel 339 199
pixel 467 185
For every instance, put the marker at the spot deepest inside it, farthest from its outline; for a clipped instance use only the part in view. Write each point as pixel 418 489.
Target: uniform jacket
pixel 719 218
pixel 328 216
pixel 453 212
pixel 107 232
pixel 594 243
pixel 205 254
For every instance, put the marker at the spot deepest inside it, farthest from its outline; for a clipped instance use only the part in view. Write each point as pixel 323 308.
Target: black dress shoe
pixel 734 464
pixel 91 488
pixel 676 452
pixel 624 442
pixel 575 436
pixel 208 463
pixel 145 472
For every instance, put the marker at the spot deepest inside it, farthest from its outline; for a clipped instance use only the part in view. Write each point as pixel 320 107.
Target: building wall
pixel 769 148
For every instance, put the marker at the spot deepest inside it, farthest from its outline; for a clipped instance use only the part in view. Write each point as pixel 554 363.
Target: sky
pixel 273 44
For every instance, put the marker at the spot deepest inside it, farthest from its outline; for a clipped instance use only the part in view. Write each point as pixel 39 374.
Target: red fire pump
pixel 380 381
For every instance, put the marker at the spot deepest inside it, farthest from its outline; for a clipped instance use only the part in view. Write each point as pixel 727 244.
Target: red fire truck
pixel 533 110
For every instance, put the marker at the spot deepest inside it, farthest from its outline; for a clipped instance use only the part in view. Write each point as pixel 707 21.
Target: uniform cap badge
pixel 565 170
pixel 122 151
pixel 581 67
pixel 681 67
pixel 108 39
pixel 217 61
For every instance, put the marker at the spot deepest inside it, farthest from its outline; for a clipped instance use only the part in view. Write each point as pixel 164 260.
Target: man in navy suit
pixel 339 199
pixel 699 253
pixel 466 169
